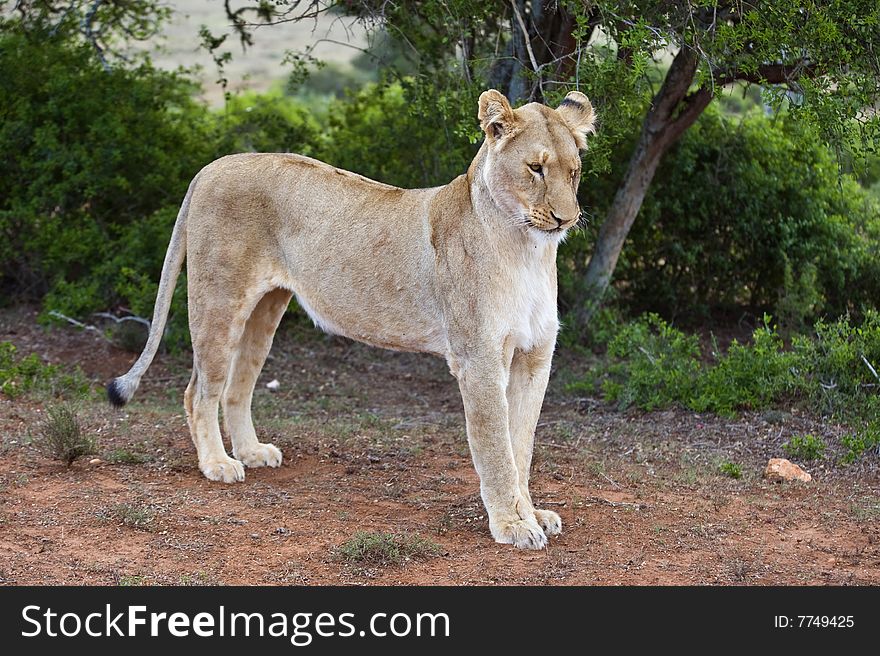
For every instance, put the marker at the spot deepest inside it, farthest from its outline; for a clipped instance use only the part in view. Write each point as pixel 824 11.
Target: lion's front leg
pixel 483 381
pixel 529 373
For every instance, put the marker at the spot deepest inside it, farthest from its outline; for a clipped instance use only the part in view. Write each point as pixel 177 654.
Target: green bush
pixel 264 123
pixel 832 373
pixel 748 376
pixel 20 375
pixel 653 365
pixel 730 469
pixel 400 135
pixel 805 447
pixel 89 153
pixel 856 444
pixel 102 159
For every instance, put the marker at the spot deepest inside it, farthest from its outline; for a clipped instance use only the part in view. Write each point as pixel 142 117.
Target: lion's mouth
pixel 549 221
pixel 551 228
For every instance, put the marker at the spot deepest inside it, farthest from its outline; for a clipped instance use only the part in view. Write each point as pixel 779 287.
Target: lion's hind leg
pixel 247 363
pixel 216 325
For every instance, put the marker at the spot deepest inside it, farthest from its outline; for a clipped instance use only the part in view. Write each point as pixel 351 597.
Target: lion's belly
pixel 419 330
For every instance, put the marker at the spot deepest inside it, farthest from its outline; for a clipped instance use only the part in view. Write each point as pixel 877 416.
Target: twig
pixel 650 357
pixel 91 36
pixel 610 480
pixel 873 371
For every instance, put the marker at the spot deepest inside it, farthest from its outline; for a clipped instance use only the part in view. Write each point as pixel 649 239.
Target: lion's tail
pixel 120 390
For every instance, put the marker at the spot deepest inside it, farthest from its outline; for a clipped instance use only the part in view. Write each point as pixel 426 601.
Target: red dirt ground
pixel 374 441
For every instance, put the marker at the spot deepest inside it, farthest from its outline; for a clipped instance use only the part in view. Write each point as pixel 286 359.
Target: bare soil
pixel 374 441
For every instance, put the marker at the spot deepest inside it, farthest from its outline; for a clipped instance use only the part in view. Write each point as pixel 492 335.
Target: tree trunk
pixel 550 35
pixel 673 110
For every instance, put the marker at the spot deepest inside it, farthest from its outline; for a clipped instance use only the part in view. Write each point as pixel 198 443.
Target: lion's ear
pixel 577 112
pixel 496 115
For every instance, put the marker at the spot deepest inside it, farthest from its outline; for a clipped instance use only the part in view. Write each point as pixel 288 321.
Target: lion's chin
pixel 548 235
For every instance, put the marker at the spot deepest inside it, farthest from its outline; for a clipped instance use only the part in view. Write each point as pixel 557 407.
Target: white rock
pixel 273 385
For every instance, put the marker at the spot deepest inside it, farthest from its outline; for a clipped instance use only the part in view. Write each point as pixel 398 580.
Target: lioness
pixel 466 271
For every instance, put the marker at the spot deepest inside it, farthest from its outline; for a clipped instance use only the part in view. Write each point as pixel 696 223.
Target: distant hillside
pixel 260 66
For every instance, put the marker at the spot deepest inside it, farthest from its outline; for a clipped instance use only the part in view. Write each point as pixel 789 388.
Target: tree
pixel 650 61
pixel 819 60
pixel 818 57
pixel 108 26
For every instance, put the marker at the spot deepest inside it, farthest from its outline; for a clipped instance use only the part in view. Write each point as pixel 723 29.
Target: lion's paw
pixel 226 470
pixel 549 521
pixel 522 533
pixel 260 455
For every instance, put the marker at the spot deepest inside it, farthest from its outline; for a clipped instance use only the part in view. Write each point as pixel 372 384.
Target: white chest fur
pixel 531 316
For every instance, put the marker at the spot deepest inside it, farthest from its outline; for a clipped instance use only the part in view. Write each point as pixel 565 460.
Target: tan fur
pixel 466 271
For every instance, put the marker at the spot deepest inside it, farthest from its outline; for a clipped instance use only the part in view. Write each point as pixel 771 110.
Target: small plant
pixel 126 457
pixel 749 376
pixel 386 548
pixel 132 580
pixel 139 517
pixel 730 469
pixel 62 437
pixel 805 447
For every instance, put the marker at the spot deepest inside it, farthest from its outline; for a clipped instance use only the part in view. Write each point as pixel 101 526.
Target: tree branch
pixel 769 73
pixel 693 105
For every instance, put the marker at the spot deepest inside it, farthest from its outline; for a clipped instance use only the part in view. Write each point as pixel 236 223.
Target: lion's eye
pixel 537 168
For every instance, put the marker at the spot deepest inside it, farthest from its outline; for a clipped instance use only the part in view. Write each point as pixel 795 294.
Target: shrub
pixel 856 444
pixel 381 132
pixel 749 376
pixel 61 436
pixel 261 123
pixel 95 151
pixel 833 372
pixel 654 365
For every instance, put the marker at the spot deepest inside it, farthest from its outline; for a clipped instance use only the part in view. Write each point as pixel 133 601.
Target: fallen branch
pixel 107 315
pixel 79 324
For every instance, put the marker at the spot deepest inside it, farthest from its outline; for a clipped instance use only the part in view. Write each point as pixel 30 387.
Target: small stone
pixel 780 469
pixel 95 461
pixel 273 385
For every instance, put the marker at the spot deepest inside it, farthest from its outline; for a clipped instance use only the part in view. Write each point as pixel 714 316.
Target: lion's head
pixel 532 167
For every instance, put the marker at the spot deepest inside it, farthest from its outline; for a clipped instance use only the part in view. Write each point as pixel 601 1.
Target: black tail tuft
pixel 115 395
